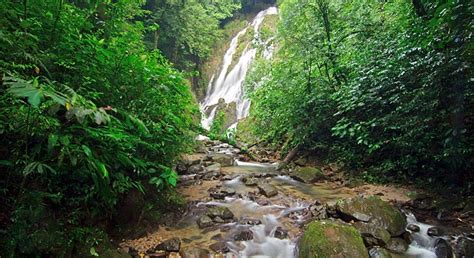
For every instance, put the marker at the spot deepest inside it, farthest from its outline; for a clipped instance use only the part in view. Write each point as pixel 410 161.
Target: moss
pixel 308 174
pixel 330 239
pixel 245 133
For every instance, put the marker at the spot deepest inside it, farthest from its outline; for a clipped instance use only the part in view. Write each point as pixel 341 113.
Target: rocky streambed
pixel 245 209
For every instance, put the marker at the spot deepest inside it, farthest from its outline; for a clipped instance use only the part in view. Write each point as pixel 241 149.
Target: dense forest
pixel 100 100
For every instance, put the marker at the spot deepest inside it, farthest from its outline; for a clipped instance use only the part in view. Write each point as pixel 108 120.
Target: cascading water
pixel 227 85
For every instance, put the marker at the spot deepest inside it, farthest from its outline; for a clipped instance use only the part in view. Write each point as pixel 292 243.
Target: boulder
pixel 225 160
pixel 216 167
pixel 372 234
pixel 221 193
pixel 205 222
pixel 267 189
pixel 327 239
pixel 250 181
pixel 219 247
pixel 434 231
pixel 195 169
pixel 318 211
pixel 307 174
pixel 222 212
pixel 413 228
pixel 397 245
pixel 194 252
pixel 443 249
pixel 375 210
pixel 379 252
pixel 280 233
pixel 464 247
pixel 244 235
pixel 170 245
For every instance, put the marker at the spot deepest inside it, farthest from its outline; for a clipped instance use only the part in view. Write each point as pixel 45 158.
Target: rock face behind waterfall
pixel 229 110
pixel 327 239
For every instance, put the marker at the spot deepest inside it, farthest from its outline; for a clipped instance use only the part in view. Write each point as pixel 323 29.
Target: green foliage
pixel 88 114
pixel 217 128
pixel 383 85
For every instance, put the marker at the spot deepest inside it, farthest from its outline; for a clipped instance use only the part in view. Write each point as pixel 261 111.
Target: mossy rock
pixel 327 239
pixel 307 174
pixel 374 210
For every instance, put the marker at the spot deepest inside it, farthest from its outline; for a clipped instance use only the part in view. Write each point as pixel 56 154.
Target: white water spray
pixel 228 84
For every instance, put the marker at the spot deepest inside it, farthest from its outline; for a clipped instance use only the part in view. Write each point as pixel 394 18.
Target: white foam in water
pixel 422 245
pixel 251 164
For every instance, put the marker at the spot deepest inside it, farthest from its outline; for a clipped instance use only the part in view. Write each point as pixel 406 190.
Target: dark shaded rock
pixel 267 189
pixel 244 235
pixel 219 247
pixel 281 233
pixel 225 160
pixel 407 237
pixel 193 252
pixel 379 252
pixel 307 174
pixel 424 203
pixel 222 212
pixel 113 253
pixel 250 181
pixel 434 231
pixel 375 210
pixel 221 193
pixel 181 168
pixel 464 247
pixel 318 211
pixel 170 245
pixel 397 245
pixel 443 249
pixel 195 169
pixel 373 234
pixel 323 239
pixel 205 222
pixel 413 228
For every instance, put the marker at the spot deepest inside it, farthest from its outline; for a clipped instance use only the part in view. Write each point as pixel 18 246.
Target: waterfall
pixel 228 85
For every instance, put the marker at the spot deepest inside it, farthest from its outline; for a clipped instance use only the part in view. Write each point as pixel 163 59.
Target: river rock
pixel 205 222
pixel 375 210
pixel 434 231
pixel 219 247
pixel 195 169
pixel 307 174
pixel 397 245
pixel 250 181
pixel 193 252
pixel 379 252
pixel 221 193
pixel 443 249
pixel 225 160
pixel 318 211
pixel 244 235
pixel 464 247
pixel 216 167
pixel 372 234
pixel 281 233
pixel 170 245
pixel 327 239
pixel 222 212
pixel 413 228
pixel 267 189
pixel 249 221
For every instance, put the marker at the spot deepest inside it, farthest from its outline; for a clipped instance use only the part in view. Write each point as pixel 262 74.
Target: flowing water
pixel 227 82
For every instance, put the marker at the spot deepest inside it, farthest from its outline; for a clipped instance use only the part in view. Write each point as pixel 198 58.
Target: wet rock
pixel 221 193
pixel 379 252
pixel 214 168
pixel 219 247
pixel 413 228
pixel 222 212
pixel 464 247
pixel 375 210
pixel 244 235
pixel 443 249
pixel 407 237
pixel 193 252
pixel 318 211
pixel 225 160
pixel 307 174
pixel 434 231
pixel 250 181
pixel 325 238
pixel 281 233
pixel 424 203
pixel 211 176
pixel 181 168
pixel 372 234
pixel 397 245
pixel 170 245
pixel 267 189
pixel 205 222
pixel 195 169
pixel 218 220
